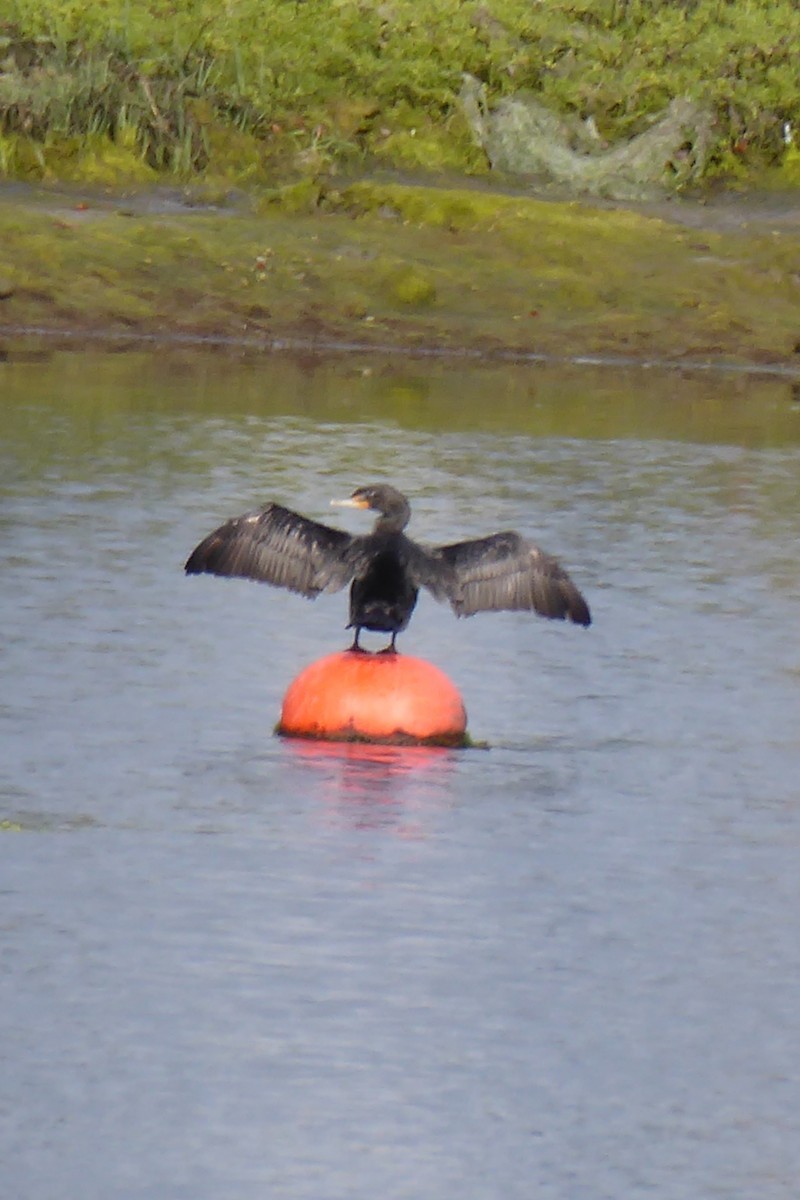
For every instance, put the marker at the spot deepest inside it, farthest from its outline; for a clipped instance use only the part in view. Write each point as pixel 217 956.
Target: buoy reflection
pixel 369 785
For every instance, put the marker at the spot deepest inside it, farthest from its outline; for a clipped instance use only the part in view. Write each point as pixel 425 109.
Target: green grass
pixel 269 91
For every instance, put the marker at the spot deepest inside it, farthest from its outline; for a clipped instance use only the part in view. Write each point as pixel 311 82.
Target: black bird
pixel 278 546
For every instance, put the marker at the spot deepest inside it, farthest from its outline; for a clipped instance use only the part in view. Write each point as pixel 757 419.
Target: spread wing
pixel 504 571
pixel 426 568
pixel 275 545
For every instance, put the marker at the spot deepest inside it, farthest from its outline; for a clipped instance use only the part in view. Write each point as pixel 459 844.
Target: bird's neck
pixel 388 523
pixel 394 518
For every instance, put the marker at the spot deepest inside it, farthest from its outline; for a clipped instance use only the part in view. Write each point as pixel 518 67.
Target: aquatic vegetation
pixel 273 90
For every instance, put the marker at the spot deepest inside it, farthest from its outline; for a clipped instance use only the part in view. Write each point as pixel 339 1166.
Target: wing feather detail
pixel 506 572
pixel 278 546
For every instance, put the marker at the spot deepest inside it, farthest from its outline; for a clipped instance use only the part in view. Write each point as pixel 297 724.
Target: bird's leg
pixel 355 646
pixel 391 648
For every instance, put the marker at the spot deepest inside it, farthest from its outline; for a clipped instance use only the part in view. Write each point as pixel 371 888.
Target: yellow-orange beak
pixel 351 502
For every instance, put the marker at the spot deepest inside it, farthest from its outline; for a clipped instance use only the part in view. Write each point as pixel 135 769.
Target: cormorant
pixel 281 547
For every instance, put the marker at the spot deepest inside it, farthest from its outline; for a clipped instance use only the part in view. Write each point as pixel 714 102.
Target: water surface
pixel 566 967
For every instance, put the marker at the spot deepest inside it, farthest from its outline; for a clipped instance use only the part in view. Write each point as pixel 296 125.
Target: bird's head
pixel 381 498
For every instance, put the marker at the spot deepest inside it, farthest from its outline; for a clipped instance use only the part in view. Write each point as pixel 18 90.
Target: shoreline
pixel 121 341
pixel 407 268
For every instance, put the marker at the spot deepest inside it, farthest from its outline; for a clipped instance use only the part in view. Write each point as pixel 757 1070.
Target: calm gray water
pixel 233 967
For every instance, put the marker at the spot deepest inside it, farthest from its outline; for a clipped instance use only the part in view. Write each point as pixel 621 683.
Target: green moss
pixel 22 157
pixel 447 208
pixel 95 159
pixel 234 154
pixel 409 286
pixel 301 197
pixel 790 167
pixel 407 266
pixel 104 161
pixel 426 145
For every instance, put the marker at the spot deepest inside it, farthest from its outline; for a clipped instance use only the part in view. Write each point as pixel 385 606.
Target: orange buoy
pixel 392 698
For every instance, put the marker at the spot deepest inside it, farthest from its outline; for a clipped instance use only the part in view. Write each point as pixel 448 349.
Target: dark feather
pixel 427 569
pixel 275 545
pixel 504 571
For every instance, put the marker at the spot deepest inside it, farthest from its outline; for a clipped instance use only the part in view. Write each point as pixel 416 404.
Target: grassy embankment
pixel 292 100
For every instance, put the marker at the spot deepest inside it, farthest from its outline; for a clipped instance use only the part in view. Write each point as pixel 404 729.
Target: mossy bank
pixel 298 109
pixel 387 264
